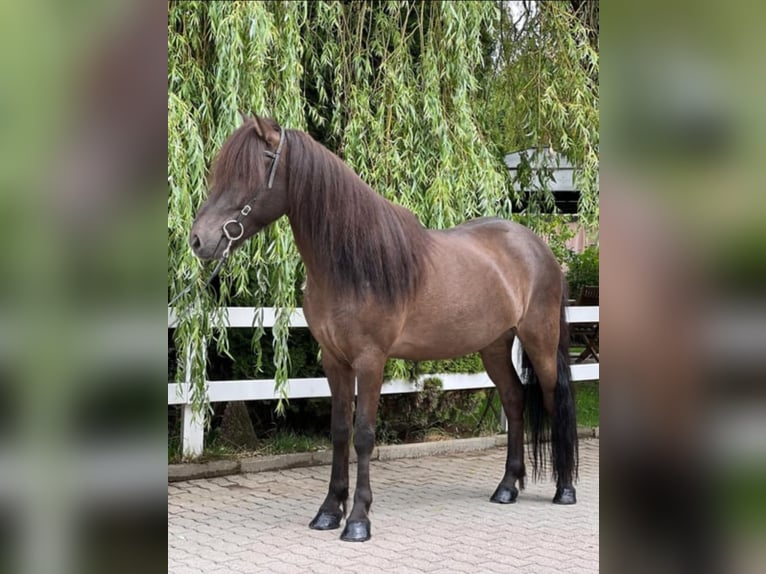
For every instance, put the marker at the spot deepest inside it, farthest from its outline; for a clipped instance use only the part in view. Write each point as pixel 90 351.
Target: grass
pixel 586 404
pixel 281 442
pixel 289 441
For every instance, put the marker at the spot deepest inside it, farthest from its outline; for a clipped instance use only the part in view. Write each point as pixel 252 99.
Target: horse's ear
pixel 268 130
pixel 244 117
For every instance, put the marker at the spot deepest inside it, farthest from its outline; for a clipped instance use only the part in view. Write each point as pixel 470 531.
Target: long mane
pixel 368 245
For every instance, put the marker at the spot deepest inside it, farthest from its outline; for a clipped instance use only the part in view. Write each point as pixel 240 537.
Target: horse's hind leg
pixel 341 380
pixel 497 362
pixel 549 391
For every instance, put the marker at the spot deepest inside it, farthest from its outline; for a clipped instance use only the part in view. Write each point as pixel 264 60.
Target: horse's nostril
pixel 195 242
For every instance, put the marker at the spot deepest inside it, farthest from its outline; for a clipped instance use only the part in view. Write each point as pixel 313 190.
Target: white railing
pixel 192 428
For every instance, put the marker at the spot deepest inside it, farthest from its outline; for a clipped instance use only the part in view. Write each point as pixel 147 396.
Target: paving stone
pixel 430 514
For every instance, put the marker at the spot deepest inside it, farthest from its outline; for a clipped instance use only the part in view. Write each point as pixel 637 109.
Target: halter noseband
pixel 247 208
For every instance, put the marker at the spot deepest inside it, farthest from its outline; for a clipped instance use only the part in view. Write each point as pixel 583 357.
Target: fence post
pixel 192 432
pixel 192 426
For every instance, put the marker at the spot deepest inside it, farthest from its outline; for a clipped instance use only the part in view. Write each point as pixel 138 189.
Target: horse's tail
pixel 556 439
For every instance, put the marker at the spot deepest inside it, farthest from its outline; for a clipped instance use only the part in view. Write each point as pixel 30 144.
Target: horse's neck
pixel 311 259
pixel 358 215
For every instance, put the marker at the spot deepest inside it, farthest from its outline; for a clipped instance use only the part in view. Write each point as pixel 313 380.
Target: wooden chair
pixel 586 333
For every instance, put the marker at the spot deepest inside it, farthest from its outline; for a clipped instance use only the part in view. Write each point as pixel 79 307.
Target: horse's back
pixel 491 226
pixel 480 280
pixel 505 240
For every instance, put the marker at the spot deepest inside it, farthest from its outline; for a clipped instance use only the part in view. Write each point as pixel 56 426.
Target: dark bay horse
pixel 380 285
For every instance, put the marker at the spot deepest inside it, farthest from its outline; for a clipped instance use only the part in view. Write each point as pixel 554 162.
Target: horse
pixel 380 285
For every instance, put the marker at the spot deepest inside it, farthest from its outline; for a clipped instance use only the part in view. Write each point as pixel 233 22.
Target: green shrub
pixel 432 412
pixel 468 364
pixel 583 270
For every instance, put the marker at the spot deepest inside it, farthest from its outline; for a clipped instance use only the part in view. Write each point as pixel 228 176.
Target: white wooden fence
pixel 192 429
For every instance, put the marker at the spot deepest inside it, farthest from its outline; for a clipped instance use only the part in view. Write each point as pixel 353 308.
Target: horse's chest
pixel 348 327
pixel 326 322
pixel 334 336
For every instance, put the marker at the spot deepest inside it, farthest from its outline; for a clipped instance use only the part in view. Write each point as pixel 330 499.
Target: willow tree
pixel 542 92
pixel 397 89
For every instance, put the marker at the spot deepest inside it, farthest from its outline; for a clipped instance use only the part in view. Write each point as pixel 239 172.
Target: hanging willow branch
pixel 422 99
pixel 542 91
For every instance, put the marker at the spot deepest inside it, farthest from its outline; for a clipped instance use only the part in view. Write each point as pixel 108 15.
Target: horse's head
pixel 248 189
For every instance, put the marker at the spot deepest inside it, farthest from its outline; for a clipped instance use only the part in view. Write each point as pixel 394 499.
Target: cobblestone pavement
pixel 430 514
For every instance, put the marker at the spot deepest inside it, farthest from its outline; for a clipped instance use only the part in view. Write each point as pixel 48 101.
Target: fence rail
pixel 192 429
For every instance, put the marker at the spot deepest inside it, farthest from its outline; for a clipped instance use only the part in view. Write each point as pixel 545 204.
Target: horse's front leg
pixel 341 380
pixel 369 376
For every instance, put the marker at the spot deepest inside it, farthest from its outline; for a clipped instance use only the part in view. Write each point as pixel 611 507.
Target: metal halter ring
pixel 226 231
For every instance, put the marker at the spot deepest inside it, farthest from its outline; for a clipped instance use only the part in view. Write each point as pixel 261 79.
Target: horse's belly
pixel 468 302
pixel 445 339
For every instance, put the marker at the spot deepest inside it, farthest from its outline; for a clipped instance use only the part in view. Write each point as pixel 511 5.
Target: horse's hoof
pixel 504 495
pixel 356 531
pixel 565 495
pixel 326 521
